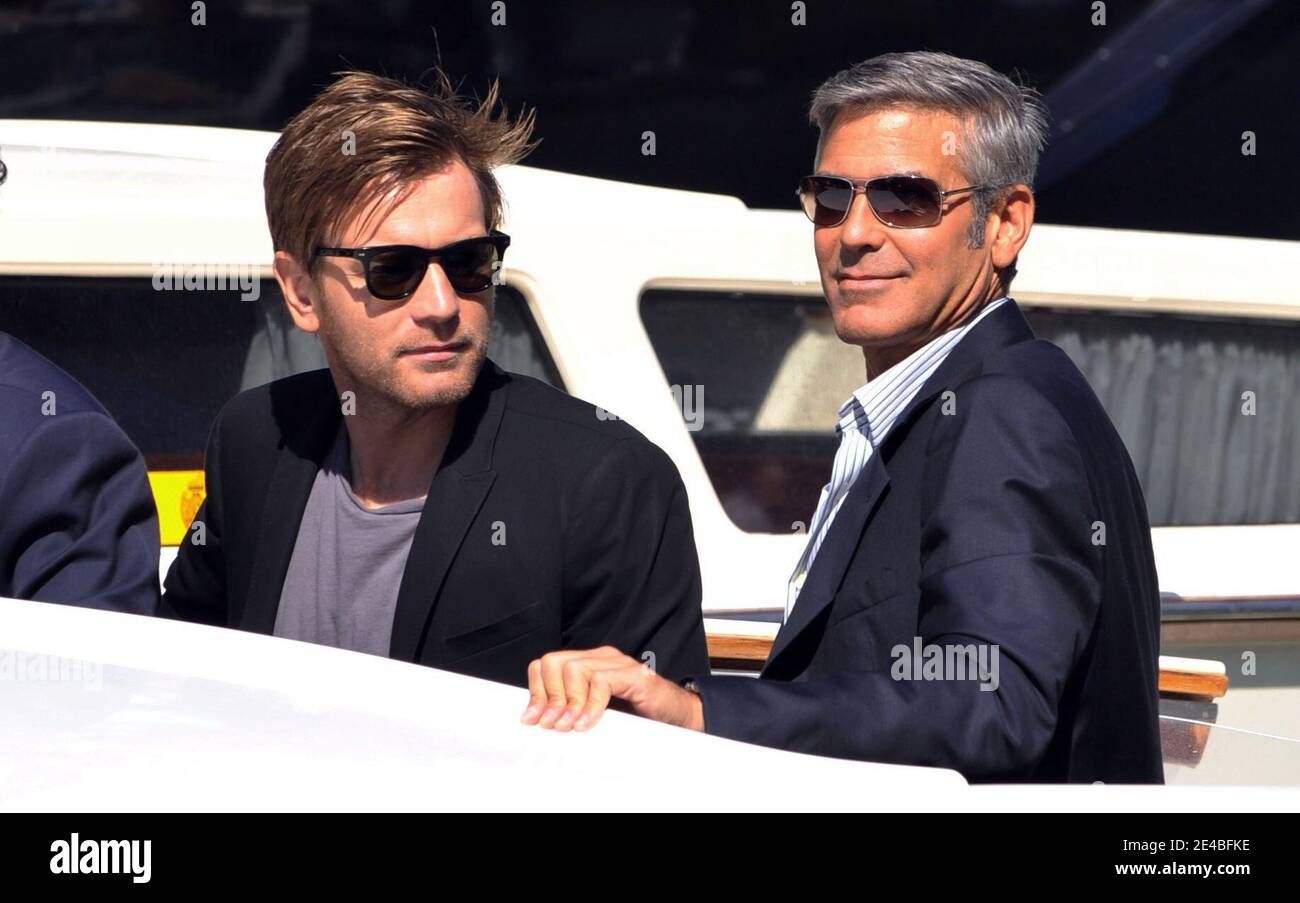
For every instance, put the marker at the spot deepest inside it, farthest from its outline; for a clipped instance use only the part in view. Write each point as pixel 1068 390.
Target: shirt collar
pixel 889 392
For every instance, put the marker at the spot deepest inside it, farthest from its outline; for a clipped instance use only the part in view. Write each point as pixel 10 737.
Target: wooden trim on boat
pixel 745 647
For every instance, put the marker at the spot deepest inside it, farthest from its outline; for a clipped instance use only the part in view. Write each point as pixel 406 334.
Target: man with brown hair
pixel 414 500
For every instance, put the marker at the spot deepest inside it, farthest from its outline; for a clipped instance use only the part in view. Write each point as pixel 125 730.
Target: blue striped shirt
pixel 865 420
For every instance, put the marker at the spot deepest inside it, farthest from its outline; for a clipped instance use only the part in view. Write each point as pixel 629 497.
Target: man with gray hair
pixel 978 589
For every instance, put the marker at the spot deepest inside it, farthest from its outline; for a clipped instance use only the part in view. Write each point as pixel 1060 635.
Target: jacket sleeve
pixel 631 574
pixel 1007 563
pixel 79 524
pixel 195 588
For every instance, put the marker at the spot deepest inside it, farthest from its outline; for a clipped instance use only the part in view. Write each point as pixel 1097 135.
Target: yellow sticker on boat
pixel 178 495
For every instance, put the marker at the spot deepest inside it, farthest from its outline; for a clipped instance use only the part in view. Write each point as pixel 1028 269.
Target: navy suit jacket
pixel 545 527
pixel 1003 510
pixel 77 518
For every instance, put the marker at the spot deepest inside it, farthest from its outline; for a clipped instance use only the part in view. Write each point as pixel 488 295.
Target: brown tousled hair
pixel 400 134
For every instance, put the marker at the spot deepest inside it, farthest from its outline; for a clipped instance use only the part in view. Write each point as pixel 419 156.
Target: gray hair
pixel 1005 124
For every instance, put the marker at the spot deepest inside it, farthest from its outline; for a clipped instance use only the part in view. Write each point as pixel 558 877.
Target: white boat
pixel 637 310
pixel 108 712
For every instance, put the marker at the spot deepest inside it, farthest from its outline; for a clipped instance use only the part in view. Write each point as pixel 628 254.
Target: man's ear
pixel 300 293
pixel 1011 223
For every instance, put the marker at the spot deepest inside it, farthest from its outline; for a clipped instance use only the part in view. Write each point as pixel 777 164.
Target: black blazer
pixel 598 547
pixel 976 522
pixel 77 518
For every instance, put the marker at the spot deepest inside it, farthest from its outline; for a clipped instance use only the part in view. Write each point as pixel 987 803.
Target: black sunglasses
pixel 394 272
pixel 904 202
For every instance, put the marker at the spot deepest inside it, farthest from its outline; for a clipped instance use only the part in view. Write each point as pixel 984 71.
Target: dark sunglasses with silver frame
pixel 394 272
pixel 902 202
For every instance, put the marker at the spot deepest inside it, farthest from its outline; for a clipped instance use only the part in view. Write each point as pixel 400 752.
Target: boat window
pixel 1180 390
pixel 1208 407
pixel 164 362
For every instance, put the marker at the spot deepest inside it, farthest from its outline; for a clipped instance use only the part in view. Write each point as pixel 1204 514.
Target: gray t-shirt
pixel 341 586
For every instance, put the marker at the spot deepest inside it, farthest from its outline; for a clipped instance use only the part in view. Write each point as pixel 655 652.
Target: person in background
pixel 77 518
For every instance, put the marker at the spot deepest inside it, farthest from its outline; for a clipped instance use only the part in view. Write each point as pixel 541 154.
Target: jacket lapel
pixel 456 494
pixel 304 442
pixel 1004 326
pixel 836 552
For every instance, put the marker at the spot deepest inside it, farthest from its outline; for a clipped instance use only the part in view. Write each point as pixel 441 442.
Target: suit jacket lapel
pixel 1002 327
pixel 456 494
pixel 836 552
pixel 305 440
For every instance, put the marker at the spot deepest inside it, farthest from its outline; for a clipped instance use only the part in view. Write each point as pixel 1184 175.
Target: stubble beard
pixel 384 384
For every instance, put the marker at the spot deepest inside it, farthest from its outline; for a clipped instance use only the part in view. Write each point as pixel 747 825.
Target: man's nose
pixel 434 298
pixel 860 228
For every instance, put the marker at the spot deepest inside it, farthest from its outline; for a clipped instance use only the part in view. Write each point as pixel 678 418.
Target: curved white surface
pixel 146 714
pixel 141 714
